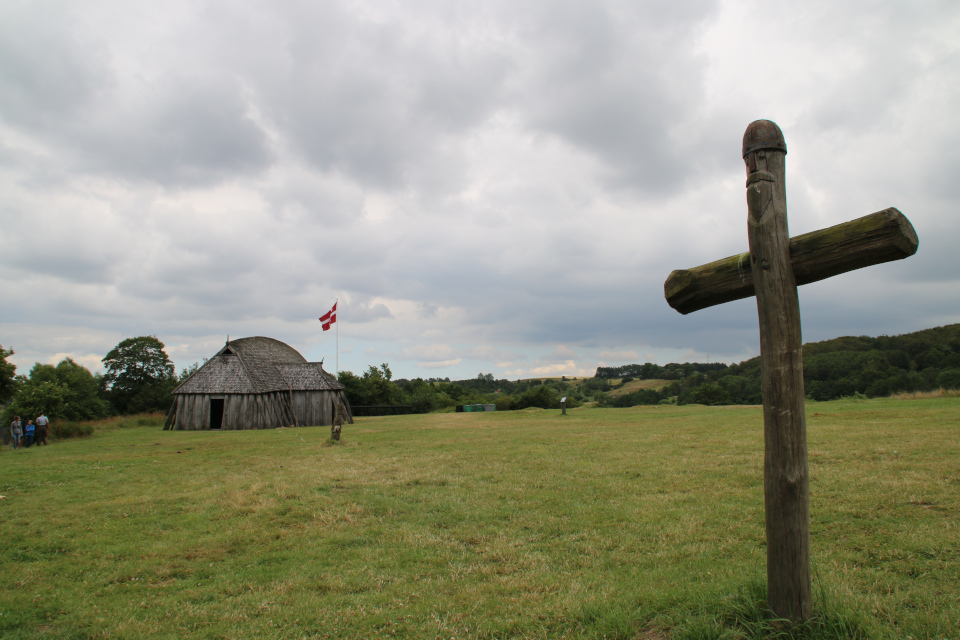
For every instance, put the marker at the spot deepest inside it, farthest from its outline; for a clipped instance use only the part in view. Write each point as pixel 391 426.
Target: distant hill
pixel 918 361
pixel 650 371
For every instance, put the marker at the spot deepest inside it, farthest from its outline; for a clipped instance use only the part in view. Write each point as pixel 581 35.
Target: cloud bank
pixel 493 188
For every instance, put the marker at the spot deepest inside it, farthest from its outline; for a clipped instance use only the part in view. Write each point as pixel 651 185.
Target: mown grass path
pixel 617 523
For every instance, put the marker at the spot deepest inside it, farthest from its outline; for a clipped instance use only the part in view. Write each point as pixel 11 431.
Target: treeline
pixel 139 378
pixel 842 367
pixel 650 371
pixel 375 387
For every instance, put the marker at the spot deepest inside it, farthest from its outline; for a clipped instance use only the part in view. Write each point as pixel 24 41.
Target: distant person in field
pixel 42 423
pixel 28 434
pixel 16 430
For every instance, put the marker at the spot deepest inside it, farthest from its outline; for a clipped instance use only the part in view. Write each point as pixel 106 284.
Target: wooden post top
pixel 763 134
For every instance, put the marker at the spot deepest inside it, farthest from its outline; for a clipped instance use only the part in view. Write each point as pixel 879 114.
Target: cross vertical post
pixel 785 472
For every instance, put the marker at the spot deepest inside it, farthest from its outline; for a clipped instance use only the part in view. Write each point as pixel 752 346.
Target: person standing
pixel 42 423
pixel 16 430
pixel 28 434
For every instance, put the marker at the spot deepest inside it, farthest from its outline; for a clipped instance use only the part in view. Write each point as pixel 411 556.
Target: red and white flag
pixel 329 317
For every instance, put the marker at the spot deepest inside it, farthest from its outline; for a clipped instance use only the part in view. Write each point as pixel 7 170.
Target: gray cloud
pixel 486 188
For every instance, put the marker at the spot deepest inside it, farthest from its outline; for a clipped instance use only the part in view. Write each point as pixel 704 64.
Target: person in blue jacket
pixel 28 433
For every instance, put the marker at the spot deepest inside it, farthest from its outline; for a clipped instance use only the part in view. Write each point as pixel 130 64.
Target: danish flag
pixel 329 317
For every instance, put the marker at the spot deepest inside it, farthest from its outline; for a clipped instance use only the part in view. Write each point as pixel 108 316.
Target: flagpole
pixel 338 339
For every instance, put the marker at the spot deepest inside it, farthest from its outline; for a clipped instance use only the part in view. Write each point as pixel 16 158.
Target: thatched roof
pixel 258 365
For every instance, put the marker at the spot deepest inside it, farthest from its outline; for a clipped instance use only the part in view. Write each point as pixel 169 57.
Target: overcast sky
pixel 493 186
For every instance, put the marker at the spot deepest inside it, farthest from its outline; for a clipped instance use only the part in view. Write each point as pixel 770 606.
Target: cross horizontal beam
pixel 880 237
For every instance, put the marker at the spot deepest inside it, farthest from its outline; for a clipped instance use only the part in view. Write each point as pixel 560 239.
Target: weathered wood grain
pixel 771 270
pixel 785 473
pixel 880 237
pixel 170 415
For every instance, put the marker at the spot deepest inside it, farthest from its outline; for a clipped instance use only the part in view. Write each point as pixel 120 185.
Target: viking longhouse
pixel 256 383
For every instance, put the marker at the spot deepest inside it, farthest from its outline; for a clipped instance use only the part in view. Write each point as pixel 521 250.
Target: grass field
pixel 617 523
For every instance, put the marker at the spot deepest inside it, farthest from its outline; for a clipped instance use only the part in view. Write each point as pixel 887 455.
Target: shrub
pixel 949 379
pixel 643 396
pixel 544 397
pixel 64 430
pixel 709 393
pixel 422 401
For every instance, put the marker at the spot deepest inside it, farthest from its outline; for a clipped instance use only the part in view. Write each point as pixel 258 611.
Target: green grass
pixel 618 523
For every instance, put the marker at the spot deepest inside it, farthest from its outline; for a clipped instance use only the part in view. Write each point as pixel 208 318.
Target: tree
pixel 8 383
pixel 186 372
pixel 140 376
pixel 710 393
pixel 543 396
pixel 67 391
pixel 374 388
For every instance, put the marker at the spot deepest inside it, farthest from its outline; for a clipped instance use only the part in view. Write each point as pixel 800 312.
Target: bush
pixel 543 396
pixel 421 402
pixel 643 396
pixel 67 392
pixel 711 394
pixel 949 379
pixel 64 430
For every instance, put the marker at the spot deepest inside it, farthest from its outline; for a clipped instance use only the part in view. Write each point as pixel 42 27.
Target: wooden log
pixel 286 402
pixel 168 423
pixel 880 237
pixel 181 419
pixel 260 419
pixel 785 472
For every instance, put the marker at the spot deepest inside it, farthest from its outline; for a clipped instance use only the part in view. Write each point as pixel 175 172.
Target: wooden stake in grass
pixel 772 264
pixel 338 420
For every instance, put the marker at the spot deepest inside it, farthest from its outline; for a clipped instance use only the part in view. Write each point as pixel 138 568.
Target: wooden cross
pixel 771 270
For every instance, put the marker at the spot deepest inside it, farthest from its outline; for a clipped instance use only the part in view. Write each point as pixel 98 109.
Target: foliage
pixel 843 367
pixel 64 430
pixel 711 394
pixel 596 385
pixel 67 391
pixel 543 397
pixel 140 376
pixel 374 387
pixel 186 372
pixel 377 387
pixel 8 384
pixel 650 371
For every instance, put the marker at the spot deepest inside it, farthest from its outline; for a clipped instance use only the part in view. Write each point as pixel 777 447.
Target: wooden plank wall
pixel 313 408
pixel 250 411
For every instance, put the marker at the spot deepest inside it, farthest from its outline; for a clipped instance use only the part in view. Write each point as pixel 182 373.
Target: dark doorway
pixel 216 413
